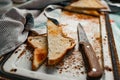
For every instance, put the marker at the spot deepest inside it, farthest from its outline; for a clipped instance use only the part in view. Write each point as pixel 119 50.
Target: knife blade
pixel 91 62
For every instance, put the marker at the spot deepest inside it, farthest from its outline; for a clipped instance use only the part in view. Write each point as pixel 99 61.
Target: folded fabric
pixel 12 31
pixel 16 24
pixel 5 5
pixel 19 1
pixel 38 4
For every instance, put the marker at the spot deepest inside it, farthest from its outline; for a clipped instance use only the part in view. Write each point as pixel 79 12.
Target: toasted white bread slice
pixel 83 11
pixel 39 43
pixel 88 4
pixel 58 44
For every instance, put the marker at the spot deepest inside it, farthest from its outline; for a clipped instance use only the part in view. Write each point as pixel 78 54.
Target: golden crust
pixel 39 57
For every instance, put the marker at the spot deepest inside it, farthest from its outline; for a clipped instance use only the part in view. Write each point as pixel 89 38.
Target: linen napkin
pixel 12 31
pixel 16 24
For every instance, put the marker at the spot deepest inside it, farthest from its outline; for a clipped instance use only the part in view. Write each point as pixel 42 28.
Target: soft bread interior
pixel 58 43
pixel 39 43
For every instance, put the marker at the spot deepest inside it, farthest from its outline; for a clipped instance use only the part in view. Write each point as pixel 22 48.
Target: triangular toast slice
pixel 88 4
pixel 58 43
pixel 39 43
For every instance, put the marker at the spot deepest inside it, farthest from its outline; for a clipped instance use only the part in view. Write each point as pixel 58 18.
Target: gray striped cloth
pixel 12 32
pixel 16 24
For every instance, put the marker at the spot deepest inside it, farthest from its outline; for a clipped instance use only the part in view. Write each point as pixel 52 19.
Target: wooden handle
pixel 92 65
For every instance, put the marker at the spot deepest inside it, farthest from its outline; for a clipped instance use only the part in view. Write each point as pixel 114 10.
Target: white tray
pixel 72 67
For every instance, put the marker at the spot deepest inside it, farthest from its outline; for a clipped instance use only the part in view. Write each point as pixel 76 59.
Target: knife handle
pixel 91 62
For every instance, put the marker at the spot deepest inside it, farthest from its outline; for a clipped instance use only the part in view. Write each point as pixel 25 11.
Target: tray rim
pixel 112 48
